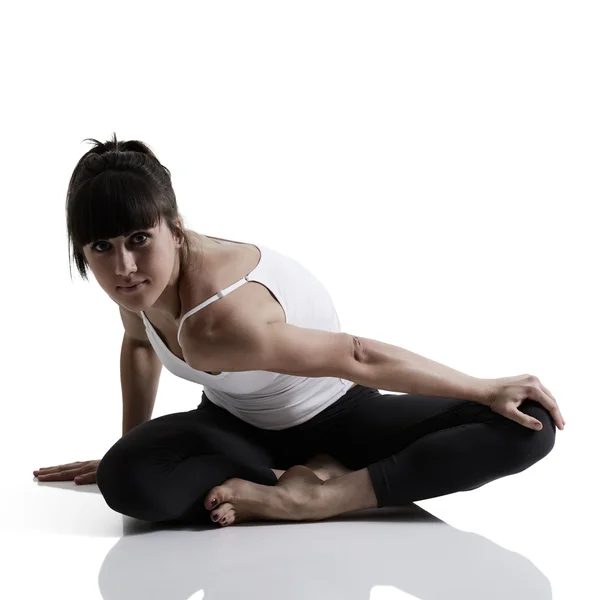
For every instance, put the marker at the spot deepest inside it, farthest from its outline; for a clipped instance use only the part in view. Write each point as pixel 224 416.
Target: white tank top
pixel 262 398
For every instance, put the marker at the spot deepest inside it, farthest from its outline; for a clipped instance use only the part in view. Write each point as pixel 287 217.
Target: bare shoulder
pixel 222 266
pixel 230 320
pixel 251 303
pixel 203 325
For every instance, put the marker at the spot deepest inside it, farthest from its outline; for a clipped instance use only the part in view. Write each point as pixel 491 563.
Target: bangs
pixel 112 204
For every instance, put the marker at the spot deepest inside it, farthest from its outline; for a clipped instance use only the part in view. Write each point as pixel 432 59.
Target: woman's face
pixel 145 255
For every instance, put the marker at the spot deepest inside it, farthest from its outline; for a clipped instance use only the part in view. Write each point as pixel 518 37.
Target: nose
pixel 125 263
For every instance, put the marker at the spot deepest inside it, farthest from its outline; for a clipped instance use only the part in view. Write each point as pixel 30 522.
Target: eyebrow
pixel 124 235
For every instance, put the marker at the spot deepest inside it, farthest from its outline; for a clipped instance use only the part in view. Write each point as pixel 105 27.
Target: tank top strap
pixel 212 299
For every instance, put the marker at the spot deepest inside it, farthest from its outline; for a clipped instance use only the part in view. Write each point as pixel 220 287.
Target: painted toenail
pixel 215 517
pixel 213 503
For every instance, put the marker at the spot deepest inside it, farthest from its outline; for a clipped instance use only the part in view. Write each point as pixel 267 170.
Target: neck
pixel 169 302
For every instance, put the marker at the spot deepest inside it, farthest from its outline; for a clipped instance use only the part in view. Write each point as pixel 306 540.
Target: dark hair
pixel 116 188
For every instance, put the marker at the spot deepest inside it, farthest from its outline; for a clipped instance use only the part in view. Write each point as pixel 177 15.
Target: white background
pixel 434 164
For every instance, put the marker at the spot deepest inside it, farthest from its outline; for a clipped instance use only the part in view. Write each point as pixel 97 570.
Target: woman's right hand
pixel 81 472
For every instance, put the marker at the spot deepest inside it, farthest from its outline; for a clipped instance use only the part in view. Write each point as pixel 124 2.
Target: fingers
pixel 81 472
pixel 57 468
pixel 59 475
pixel 510 411
pixel 546 399
pixel 65 466
pixel 86 478
pixel 525 420
pixel 547 392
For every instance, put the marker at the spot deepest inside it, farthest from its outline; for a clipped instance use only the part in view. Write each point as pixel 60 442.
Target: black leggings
pixel 414 447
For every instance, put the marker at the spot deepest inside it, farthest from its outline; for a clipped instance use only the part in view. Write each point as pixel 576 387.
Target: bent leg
pixel 163 469
pixel 418 447
pixel 461 458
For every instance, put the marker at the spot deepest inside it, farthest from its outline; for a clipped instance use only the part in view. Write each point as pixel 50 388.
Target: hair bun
pixel 95 163
pixel 113 145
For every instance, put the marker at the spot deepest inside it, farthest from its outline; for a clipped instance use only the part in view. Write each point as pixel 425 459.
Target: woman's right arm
pixel 140 372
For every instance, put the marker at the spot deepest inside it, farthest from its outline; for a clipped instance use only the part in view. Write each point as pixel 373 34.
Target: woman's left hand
pixel 507 393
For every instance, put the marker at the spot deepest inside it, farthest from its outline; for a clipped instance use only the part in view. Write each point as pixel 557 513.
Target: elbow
pixel 360 370
pixel 358 349
pixel 362 373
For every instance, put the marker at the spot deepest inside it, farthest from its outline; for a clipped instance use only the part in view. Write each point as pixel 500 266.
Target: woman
pixel 291 424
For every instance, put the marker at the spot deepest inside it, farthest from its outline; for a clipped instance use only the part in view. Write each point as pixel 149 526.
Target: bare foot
pixel 326 467
pixel 295 497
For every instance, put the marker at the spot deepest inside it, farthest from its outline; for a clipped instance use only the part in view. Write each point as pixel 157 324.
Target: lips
pixel 131 285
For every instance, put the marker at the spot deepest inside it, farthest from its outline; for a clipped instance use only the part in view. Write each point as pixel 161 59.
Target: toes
pixel 222 511
pixel 214 494
pixel 228 518
pixel 225 492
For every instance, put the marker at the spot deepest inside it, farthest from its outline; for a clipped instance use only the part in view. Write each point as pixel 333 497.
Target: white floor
pixel 532 536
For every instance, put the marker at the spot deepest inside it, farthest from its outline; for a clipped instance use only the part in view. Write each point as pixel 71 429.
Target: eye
pixel 94 247
pixel 144 235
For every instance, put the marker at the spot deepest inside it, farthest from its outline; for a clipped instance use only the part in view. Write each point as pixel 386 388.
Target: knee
pixel 126 481
pixel 538 443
